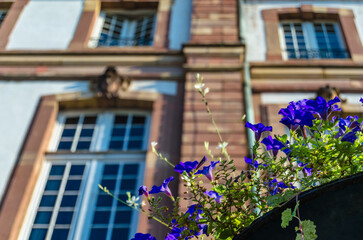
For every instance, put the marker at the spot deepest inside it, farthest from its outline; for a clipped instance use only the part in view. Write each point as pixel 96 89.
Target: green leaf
pixel 309 230
pixel 225 234
pixel 286 217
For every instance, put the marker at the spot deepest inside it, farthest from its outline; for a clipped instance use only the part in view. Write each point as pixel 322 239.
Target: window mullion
pixel 329 51
pixel 127 131
pixel 294 40
pixel 58 201
pixel 77 133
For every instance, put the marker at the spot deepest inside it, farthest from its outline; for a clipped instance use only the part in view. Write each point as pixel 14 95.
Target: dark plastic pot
pixel 336 209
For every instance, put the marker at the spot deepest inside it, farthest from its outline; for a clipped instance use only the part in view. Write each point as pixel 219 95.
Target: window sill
pixel 309 62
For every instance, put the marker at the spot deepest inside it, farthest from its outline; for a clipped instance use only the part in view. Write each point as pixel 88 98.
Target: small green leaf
pixel 286 217
pixel 309 230
pixel 296 206
pixel 225 234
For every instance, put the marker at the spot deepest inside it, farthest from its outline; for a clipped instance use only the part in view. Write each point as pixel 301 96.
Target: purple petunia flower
pixel 361 100
pixel 273 144
pixel 141 236
pixel 293 118
pixel 175 233
pixel 258 129
pixel 306 170
pixel 192 209
pixel 143 190
pixel 207 171
pixel 186 166
pixel 163 188
pixel 347 123
pixel 350 137
pixel 255 163
pixel 323 108
pixel 276 187
pixel 215 195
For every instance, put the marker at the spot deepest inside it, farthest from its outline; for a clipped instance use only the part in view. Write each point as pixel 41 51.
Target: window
pixel 89 149
pixel 306 40
pixel 124 29
pixel 2 15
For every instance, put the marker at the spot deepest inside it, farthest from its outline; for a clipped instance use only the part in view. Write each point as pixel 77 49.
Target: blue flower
pixel 192 209
pixel 163 188
pixel 276 187
pixel 175 233
pixel 215 195
pixel 189 166
pixel 293 118
pixel 143 190
pixel 273 144
pixel 350 137
pixel 361 100
pixel 207 171
pixel 255 163
pixel 258 129
pixel 306 170
pixel 141 236
pixel 323 108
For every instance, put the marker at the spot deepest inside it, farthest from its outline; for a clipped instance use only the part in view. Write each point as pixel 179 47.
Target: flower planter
pixel 336 208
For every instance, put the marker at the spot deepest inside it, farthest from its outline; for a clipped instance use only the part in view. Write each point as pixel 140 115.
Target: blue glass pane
pixel 38 234
pixel 60 234
pixel 53 185
pixel 123 197
pixel 118 132
pixel 123 217
pixel 64 218
pixel 72 120
pixel 65 146
pixel 121 119
pixel 57 170
pixel 90 120
pixel 48 201
pixel 98 234
pixel 42 217
pixel 137 132
pixel 128 184
pixel 101 217
pixel 68 132
pixel 130 169
pixel 134 144
pixel 120 234
pixel 69 201
pixel 83 145
pixel 73 185
pixel 110 169
pixel 116 145
pixel 104 201
pixel 109 183
pixel 87 132
pixel 77 170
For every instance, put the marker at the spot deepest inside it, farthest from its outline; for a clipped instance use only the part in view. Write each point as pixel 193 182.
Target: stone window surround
pixel 344 17
pixel 92 10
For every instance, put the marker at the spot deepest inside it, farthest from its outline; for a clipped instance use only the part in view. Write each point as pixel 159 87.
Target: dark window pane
pixel 128 184
pixel 123 217
pixel 48 201
pixel 77 170
pixel 118 232
pixel 110 169
pixel 87 132
pixel 65 146
pixel 137 132
pixel 42 217
pixel 130 169
pixel 57 170
pixel 98 234
pixel 123 197
pixel 110 184
pixel 138 120
pixel 116 145
pixel 60 234
pixel 68 132
pixel 73 185
pixel 72 120
pixel 118 132
pixel 101 217
pixel 38 234
pixel 90 120
pixel 69 201
pixel 64 218
pixel 135 144
pixel 121 119
pixel 83 145
pixel 104 201
pixel 52 185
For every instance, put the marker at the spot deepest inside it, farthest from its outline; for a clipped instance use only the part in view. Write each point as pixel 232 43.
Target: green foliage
pixel 309 230
pixel 286 217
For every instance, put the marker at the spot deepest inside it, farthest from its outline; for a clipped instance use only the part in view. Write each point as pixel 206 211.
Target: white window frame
pixel 94 161
pixel 129 27
pixel 309 36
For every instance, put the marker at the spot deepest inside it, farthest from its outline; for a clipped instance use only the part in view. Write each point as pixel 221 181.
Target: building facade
pixel 87 85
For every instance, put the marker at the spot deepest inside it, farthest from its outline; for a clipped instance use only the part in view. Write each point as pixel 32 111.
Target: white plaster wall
pixel 46 24
pixel 18 105
pixel 179 30
pixel 255 31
